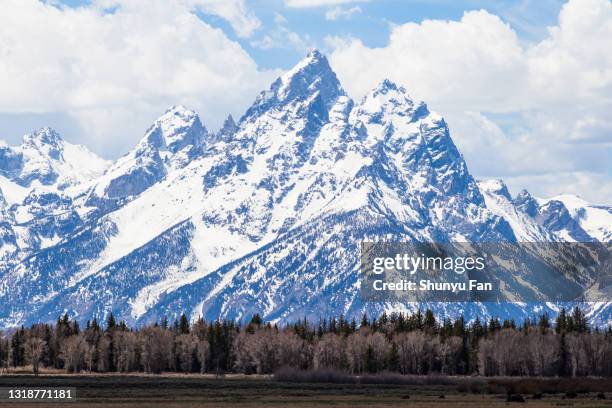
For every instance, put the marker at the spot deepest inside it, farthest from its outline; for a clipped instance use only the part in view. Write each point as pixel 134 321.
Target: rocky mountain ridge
pixel 264 216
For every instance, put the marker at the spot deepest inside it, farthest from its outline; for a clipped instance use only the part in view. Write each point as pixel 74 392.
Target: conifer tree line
pixel 417 344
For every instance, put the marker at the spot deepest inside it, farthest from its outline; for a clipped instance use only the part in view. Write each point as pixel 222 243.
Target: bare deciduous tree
pixel 73 352
pixel 265 350
pixel 376 354
pixel 35 348
pixel 243 360
pixel 396 342
pixel 413 352
pixel 125 343
pixel 329 352
pixel 293 351
pixel 187 351
pixel 203 352
pixel 356 350
pixel 450 354
pixel 156 345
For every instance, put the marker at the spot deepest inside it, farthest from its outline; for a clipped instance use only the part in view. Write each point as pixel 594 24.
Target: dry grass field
pixel 166 391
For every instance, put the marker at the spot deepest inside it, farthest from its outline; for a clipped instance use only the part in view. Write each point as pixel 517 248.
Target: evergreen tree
pixel 418 320
pixel 384 319
pixel 494 325
pixel 256 320
pixel 17 352
pixel 561 322
pixel 429 322
pixel 184 324
pixel 544 323
pixel 459 327
pixel 364 320
pixel 477 329
pixel 579 321
pixel 563 356
pixel 110 323
pixel 447 328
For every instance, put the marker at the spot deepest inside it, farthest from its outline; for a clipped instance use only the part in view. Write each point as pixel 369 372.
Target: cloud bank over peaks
pixel 543 106
pixel 114 65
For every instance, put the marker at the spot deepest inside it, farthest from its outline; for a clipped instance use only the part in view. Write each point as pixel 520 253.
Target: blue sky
pixel 369 21
pixel 526 85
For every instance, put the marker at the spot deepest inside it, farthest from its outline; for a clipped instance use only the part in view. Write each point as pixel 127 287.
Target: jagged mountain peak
pixel 45 135
pixel 555 216
pixel 525 202
pixel 175 112
pixel 45 157
pixel 386 85
pixel 315 54
pixel 496 186
pixel 314 61
pixel 310 80
pixel 174 140
pixel 46 140
pixel 228 129
pixel 267 218
pixel 523 194
pixel 176 129
pixel 310 75
pixel 389 98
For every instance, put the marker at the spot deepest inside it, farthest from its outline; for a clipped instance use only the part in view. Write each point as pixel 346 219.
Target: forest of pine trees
pixel 417 344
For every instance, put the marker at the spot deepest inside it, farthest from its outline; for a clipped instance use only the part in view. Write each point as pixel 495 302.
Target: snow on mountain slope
pixel 555 216
pixel 267 215
pixel 596 220
pixel 415 156
pixel 499 201
pixel 12 192
pixel 215 206
pixel 281 170
pixel 534 220
pixel 39 180
pixel 8 240
pixel 173 141
pixel 45 159
pixel 522 213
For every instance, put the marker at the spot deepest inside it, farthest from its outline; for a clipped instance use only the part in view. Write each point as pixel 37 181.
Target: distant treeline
pixel 415 344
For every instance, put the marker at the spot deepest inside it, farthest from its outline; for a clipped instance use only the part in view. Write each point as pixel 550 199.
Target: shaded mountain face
pixel 265 216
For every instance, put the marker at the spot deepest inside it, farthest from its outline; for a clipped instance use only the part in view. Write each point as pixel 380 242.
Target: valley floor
pixel 262 391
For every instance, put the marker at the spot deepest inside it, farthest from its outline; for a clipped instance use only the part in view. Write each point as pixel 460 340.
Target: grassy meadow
pixel 176 390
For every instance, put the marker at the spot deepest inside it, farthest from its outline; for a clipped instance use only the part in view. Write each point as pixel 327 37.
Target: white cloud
pixel 339 12
pixel 115 71
pixel 442 61
pixel 592 128
pixel 243 21
pixel 319 3
pixel 282 37
pixel 280 19
pixel 532 155
pixel 557 91
pixel 591 186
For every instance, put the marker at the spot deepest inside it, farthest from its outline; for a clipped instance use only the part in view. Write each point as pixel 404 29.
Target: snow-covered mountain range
pixel 265 215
